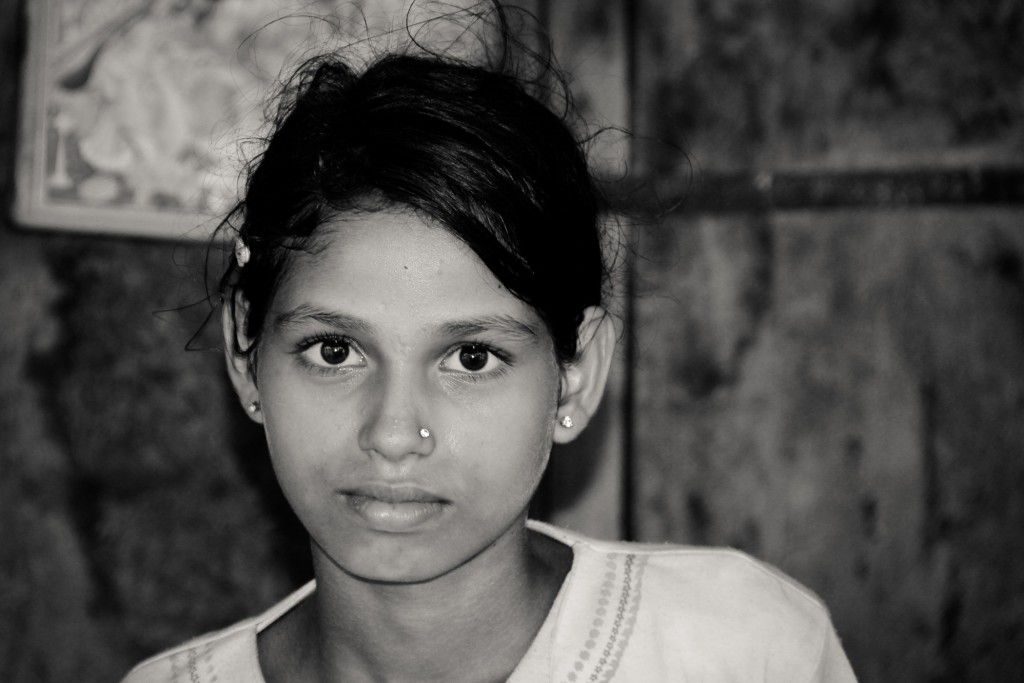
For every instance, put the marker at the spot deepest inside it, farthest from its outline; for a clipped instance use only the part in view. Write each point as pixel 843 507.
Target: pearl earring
pixel 253 407
pixel 566 422
pixel 242 252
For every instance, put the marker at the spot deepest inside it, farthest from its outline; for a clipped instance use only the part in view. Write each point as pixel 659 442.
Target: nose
pixel 394 418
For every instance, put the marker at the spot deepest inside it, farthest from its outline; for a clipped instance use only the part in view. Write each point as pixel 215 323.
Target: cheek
pixel 299 439
pixel 295 463
pixel 509 438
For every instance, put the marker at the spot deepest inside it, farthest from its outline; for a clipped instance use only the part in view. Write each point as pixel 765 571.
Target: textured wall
pixel 845 392
pixel 846 395
pixel 110 434
pixel 842 83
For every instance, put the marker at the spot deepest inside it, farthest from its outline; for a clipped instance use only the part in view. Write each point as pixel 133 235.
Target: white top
pixel 626 612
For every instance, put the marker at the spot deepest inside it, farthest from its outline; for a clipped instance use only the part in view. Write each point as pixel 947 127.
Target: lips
pixel 394 508
pixel 394 493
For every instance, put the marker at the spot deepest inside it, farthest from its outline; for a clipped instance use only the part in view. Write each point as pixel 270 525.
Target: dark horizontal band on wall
pixel 718 192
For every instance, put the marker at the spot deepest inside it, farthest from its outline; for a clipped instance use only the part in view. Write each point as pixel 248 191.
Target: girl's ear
pixel 239 369
pixel 584 380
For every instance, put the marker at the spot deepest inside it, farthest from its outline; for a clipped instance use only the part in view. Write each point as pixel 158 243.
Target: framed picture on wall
pixel 132 110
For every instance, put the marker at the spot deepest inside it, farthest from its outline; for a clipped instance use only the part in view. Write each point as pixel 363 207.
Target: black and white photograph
pixel 396 341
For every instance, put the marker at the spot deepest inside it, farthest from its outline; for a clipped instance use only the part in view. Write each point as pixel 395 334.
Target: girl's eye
pixel 333 352
pixel 474 358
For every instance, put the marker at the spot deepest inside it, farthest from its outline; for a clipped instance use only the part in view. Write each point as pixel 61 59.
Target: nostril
pixel 395 439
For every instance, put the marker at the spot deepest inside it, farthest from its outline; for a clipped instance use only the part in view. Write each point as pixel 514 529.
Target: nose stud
pixel 424 432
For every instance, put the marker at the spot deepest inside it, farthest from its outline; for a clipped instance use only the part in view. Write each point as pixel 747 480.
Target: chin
pixel 393 559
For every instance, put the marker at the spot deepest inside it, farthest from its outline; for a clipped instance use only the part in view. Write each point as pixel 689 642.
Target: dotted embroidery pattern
pixel 603 663
pixel 189 666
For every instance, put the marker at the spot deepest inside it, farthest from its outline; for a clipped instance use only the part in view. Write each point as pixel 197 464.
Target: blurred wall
pixel 839 390
pixel 829 330
pixel 132 505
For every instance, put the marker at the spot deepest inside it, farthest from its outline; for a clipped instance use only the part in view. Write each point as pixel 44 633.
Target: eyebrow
pixel 305 313
pixel 500 324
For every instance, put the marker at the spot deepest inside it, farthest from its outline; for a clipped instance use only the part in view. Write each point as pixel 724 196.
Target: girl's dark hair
pixel 461 145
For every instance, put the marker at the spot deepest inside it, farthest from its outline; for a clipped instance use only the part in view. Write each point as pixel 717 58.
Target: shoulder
pixel 225 656
pixel 700 577
pixel 712 612
pixel 205 659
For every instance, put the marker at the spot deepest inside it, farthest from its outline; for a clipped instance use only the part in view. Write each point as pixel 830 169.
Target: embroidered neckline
pixel 623 575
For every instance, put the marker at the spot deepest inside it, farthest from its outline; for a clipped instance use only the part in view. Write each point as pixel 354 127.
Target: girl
pixel 414 314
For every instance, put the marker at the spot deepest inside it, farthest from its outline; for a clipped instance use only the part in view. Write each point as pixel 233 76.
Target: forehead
pixel 394 267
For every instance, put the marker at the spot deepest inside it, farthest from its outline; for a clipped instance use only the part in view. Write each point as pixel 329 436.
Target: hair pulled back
pixel 463 146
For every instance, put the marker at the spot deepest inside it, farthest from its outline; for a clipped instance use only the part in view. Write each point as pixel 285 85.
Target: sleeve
pixel 153 671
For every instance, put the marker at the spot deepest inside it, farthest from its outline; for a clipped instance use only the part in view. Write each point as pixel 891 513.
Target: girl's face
pixel 393 328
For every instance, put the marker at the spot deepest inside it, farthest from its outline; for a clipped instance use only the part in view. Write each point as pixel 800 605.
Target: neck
pixel 474 623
